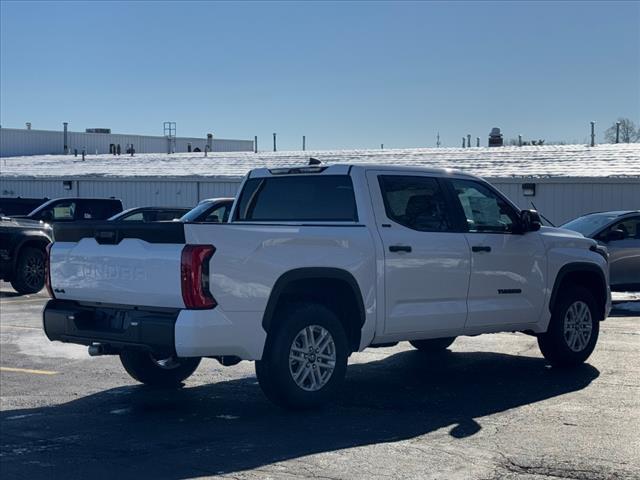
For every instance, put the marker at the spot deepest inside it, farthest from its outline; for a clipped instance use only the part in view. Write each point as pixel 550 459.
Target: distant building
pixel 562 181
pixel 22 142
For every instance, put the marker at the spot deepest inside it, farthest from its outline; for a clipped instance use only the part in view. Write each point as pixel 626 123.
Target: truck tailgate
pixel 118 264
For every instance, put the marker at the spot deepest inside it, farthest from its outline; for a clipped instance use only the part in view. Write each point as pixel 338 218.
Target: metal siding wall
pixel 143 192
pixel 101 142
pixel 560 202
pixel 35 188
pixel 218 189
pixel 17 142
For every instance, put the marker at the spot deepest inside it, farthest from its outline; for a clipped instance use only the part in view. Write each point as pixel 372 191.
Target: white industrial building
pixel 15 142
pixel 561 181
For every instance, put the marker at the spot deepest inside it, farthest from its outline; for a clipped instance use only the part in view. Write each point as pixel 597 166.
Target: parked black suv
pixel 23 239
pixel 75 209
pixel 22 253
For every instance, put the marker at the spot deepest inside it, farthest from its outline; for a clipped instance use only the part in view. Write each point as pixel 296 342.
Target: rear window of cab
pixel 308 198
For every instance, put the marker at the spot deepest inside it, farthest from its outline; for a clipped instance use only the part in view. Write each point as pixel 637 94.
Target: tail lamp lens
pixel 195 276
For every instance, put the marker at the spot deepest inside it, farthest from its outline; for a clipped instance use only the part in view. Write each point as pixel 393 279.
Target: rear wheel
pixel 433 345
pixel 29 275
pixel 305 360
pixel 166 372
pixel 573 329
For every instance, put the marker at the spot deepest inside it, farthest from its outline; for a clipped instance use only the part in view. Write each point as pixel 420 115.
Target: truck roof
pixel 346 168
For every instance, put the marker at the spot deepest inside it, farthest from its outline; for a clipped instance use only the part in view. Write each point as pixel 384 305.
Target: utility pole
pixel 382 146
pixel 469 140
pixel 304 143
pixel 438 140
pixel 274 142
pixel 477 141
pixel 617 132
pixel 464 142
pixel 593 134
pixel 255 144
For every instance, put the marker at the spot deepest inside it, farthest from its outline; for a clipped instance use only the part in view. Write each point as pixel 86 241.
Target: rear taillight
pixel 47 270
pixel 195 276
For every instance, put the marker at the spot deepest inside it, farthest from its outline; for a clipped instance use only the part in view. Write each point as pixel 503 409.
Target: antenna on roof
pixel 314 161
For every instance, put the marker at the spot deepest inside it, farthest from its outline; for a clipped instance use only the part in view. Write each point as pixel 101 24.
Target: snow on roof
pixel 607 160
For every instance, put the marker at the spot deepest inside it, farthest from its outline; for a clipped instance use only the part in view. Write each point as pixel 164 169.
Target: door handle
pixel 399 248
pixel 480 248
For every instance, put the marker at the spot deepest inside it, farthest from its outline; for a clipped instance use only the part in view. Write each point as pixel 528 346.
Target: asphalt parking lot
pixel 490 409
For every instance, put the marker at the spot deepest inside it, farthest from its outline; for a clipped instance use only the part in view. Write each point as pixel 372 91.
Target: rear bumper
pixel 162 331
pixel 116 327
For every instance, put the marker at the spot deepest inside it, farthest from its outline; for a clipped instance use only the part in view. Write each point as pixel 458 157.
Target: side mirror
pixel 614 234
pixel 530 220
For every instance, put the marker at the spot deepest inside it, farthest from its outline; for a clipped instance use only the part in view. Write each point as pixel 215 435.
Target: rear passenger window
pixel 313 198
pixel 415 202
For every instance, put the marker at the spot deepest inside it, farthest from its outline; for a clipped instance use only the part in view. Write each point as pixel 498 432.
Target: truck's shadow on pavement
pixel 136 432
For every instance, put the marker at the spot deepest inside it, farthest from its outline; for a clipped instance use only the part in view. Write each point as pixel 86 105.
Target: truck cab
pixel 317 262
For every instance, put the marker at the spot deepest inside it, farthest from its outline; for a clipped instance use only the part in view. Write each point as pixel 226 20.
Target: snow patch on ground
pixel 35 343
pixel 625 296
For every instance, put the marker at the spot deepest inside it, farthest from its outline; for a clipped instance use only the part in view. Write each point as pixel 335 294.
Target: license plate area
pixel 104 320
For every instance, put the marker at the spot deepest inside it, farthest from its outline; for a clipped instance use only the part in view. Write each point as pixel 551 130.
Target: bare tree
pixel 628 132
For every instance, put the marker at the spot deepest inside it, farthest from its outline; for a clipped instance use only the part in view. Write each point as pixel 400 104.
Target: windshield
pixel 590 224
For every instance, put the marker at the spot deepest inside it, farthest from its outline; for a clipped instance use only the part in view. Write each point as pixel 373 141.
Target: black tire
pixel 143 367
pixel 555 344
pixel 433 345
pixel 30 270
pixel 274 372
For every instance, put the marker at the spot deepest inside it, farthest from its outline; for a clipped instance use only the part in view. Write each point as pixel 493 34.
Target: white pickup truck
pixel 318 262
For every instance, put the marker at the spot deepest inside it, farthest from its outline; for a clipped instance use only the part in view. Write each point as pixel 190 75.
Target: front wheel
pixel 573 329
pixel 305 360
pixel 29 276
pixel 166 372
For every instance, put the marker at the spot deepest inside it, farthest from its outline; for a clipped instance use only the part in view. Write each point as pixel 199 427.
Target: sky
pixel 345 74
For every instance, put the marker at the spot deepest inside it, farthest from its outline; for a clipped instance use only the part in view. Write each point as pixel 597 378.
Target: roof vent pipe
pixel 65 126
pixel 593 134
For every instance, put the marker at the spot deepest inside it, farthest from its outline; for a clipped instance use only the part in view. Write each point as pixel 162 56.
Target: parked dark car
pixel 75 210
pixel 19 206
pixel 619 231
pixel 211 210
pixel 149 214
pixel 23 252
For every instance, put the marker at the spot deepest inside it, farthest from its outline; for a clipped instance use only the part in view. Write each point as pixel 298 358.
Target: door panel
pixel 507 284
pixel 426 266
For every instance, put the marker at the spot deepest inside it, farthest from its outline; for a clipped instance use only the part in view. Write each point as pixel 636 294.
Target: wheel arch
pixel 333 287
pixel 39 240
pixel 582 273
